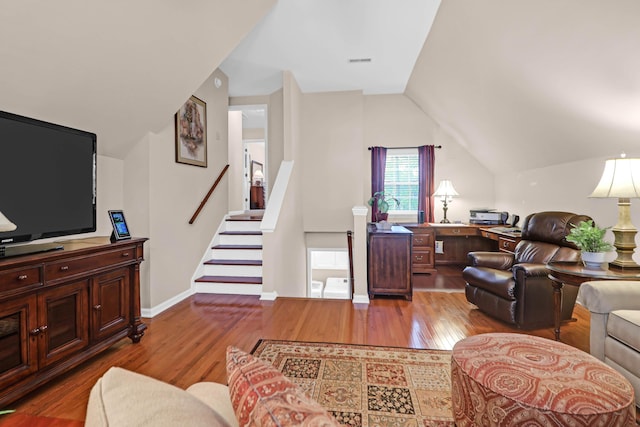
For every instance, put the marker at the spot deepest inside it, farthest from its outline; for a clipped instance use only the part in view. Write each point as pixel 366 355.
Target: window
pixel 401 179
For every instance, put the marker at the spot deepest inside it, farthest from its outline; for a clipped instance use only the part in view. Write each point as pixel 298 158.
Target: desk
pixel 574 274
pixel 458 240
pixel 507 240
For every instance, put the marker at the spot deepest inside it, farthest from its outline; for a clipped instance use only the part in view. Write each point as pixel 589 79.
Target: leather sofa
pixel 615 326
pixel 515 288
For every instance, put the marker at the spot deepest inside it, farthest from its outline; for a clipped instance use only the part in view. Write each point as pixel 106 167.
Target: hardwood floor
pixel 187 343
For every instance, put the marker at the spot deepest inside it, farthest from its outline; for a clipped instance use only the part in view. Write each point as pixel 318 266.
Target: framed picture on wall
pixel 191 133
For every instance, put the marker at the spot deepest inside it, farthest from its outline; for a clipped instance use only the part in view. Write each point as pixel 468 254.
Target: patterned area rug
pixel 368 386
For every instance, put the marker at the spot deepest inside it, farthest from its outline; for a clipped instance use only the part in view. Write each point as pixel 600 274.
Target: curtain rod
pixel 404 148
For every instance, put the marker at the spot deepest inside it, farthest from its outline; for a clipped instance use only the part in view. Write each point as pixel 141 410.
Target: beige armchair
pixel 615 325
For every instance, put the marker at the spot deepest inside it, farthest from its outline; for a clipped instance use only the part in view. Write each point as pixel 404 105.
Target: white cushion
pixel 126 399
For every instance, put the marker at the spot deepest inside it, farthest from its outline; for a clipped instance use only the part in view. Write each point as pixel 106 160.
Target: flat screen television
pixel 48 175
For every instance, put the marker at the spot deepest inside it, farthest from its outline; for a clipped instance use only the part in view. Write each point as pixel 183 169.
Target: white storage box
pixel 337 288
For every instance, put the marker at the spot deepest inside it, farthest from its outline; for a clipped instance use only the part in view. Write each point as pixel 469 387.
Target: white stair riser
pixel 236 254
pixel 233 239
pixel 228 288
pixel 242 225
pixel 233 270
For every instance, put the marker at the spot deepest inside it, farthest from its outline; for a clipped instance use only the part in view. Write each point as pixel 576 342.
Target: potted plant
pixel 380 206
pixel 590 239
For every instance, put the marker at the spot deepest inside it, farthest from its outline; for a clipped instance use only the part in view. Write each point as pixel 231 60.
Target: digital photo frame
pixel 120 228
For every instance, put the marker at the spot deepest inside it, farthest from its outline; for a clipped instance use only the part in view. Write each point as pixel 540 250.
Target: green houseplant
pixel 379 203
pixel 590 239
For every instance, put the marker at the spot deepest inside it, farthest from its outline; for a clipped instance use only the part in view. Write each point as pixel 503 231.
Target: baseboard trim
pixel 360 299
pixel 154 311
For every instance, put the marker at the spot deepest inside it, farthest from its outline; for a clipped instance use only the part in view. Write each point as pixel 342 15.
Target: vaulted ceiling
pixel 520 84
pixel 117 68
pixel 529 84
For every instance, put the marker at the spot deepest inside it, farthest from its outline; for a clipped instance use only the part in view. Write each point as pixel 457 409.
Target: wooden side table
pixel 574 274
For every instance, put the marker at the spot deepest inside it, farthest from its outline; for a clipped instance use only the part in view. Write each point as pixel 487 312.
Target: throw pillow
pixel 262 396
pixel 124 398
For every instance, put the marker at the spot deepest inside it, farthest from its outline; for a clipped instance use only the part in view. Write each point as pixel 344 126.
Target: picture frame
pixel 120 227
pixel 191 133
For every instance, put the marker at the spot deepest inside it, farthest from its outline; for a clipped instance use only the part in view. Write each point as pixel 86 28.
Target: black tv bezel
pixel 22 238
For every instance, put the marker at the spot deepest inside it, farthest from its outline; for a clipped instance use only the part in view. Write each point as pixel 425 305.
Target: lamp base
pixel 625 238
pixel 628 266
pixel 445 221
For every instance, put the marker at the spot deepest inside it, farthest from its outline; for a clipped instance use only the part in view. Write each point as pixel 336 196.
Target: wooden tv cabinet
pixel 59 308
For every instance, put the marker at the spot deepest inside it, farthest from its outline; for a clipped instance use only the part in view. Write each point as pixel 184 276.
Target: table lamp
pixel 621 180
pixel 258 177
pixel 5 224
pixel 446 192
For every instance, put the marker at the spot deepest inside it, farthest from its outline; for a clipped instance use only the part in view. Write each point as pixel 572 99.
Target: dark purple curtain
pixel 426 167
pixel 378 162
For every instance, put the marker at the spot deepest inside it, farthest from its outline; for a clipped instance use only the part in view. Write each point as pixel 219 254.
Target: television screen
pixel 48 179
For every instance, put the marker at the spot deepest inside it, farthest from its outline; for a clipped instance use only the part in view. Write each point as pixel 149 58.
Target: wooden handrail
pixel 206 198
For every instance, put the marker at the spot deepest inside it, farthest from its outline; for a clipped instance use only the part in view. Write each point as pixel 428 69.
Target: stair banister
pixel 206 198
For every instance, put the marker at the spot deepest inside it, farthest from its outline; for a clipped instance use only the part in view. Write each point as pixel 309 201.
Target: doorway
pixel 254 175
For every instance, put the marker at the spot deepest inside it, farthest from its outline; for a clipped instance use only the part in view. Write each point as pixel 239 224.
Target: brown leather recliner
pixel 514 287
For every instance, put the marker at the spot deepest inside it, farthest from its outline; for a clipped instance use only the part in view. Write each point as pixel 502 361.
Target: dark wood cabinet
pixel 457 241
pixel 109 304
pixel 422 256
pixel 62 322
pixel 256 197
pixel 389 262
pixel 59 308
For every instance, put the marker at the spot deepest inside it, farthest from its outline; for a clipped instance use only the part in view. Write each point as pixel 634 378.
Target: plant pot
pixel 594 260
pixel 382 216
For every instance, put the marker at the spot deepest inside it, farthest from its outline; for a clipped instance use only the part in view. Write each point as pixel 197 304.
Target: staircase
pixel 234 263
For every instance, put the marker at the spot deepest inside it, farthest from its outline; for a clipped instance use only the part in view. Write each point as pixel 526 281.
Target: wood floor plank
pixel 187 343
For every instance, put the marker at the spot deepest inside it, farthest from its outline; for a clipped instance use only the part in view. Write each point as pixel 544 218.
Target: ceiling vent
pixel 356 60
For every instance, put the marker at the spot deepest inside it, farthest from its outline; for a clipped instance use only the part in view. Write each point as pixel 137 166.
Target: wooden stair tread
pixel 237 247
pixel 231 279
pixel 234 262
pixel 246 217
pixel 242 233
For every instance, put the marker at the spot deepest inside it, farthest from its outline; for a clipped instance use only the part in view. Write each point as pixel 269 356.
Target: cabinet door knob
pixel 43 328
pixel 64 268
pixel 35 331
pixel 22 277
pixel 125 254
pixel 97 307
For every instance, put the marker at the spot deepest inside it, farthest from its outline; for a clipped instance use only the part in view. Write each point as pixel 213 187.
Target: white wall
pixel 332 159
pixel 563 187
pixel 396 121
pixel 284 263
pixel 235 173
pixel 163 195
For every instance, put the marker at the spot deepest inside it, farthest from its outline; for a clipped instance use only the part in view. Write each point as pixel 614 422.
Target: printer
pixel 487 217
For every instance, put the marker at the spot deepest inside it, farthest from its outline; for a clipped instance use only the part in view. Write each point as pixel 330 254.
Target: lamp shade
pixel 620 179
pixel 445 189
pixel 5 224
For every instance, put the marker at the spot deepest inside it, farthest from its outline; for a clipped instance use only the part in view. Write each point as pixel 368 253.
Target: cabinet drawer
pixel 11 280
pixel 487 235
pixel 456 231
pixel 507 245
pixel 423 239
pixel 76 266
pixel 422 259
